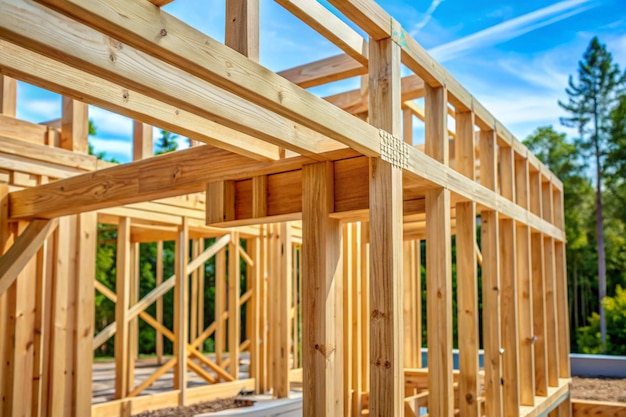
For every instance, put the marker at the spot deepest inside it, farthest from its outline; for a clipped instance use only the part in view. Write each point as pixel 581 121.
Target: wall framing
pixel 331 187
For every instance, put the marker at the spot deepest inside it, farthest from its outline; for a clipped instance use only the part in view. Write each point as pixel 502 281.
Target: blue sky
pixel 514 56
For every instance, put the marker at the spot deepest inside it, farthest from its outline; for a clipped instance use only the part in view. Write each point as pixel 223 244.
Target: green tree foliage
pixel 615 308
pixel 591 100
pixel 553 149
pixel 166 143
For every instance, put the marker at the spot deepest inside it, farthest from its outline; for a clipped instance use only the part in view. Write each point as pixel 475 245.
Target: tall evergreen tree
pixel 167 142
pixel 591 100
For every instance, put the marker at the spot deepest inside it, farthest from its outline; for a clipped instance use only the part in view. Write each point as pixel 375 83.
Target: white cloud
pixel 429 14
pixel 110 124
pixel 510 29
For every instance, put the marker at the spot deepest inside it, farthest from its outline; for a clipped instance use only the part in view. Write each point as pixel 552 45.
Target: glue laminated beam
pixel 122 337
pixel 538 286
pixel 490 241
pixel 524 288
pixel 385 197
pixel 8 96
pixel 439 263
pixel 181 313
pixel 508 284
pixel 467 272
pixel 322 321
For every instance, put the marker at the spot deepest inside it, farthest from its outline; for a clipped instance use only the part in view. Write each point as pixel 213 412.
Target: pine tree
pixel 167 142
pixel 590 102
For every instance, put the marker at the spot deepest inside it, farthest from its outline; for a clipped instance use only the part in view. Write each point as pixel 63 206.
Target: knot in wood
pixel 377 314
pixel 387 364
pixel 324 350
pixel 469 398
pixel 163 32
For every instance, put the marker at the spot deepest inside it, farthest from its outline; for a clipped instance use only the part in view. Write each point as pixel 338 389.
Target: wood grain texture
pixel 322 312
pixel 588 408
pixel 122 343
pixel 23 249
pixel 467 274
pixel 524 287
pixel 385 280
pixel 242 27
pixel 8 96
pixel 490 241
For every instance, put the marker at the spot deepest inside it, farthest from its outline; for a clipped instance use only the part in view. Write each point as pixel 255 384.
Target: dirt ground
pixel 192 410
pixel 599 389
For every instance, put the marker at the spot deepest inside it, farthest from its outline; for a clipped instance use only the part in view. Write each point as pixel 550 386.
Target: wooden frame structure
pixel 345 221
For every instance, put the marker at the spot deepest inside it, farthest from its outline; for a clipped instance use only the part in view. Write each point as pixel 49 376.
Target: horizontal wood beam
pixel 232 203
pixel 324 71
pixel 80 85
pixel 356 101
pixel 141 72
pixel 375 21
pixel 23 249
pixel 167 175
pixel 587 408
pixel 193 52
pixel 330 26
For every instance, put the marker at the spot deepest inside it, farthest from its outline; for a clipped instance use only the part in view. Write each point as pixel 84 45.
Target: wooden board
pixel 322 323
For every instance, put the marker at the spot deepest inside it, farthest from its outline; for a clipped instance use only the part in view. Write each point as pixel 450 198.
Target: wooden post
pixel 8 96
pixel 242 27
pixel 122 334
pixel 490 240
pixel 438 263
pixel 194 312
pixel 538 288
pixel 254 311
pixel 508 283
pixel 526 375
pixel 220 305
pixel 86 241
pixel 357 323
pixel 234 309
pixel 561 287
pixel 322 322
pixel 550 290
pixel 385 287
pixel 159 303
pixel 142 141
pixel 279 287
pixel 6 240
pixel 181 309
pixel 59 391
pixel 21 304
pixel 346 305
pixel 74 125
pixel 466 270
